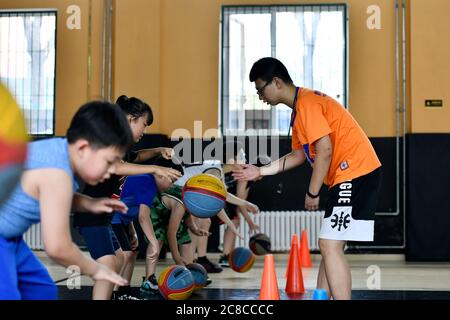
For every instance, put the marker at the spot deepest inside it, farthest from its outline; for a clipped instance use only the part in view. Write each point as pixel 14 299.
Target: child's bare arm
pixel 55 198
pixel 242 192
pixel 84 203
pixel 287 162
pixel 223 216
pixel 131 169
pixel 146 154
pixel 231 198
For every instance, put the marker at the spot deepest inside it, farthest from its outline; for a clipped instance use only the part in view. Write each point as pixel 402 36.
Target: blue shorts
pixel 100 240
pixel 22 275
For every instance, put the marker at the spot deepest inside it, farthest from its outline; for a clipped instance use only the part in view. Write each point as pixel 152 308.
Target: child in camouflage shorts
pixel 171 225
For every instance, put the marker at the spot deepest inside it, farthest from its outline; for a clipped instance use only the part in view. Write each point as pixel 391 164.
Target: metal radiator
pixel 280 226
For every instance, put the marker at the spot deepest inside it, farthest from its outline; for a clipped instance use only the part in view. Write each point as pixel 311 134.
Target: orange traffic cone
pixel 294 283
pixel 269 284
pixel 294 239
pixel 305 257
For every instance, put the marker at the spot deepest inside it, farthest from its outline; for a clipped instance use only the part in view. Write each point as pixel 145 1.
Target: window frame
pixel 52 11
pixel 224 62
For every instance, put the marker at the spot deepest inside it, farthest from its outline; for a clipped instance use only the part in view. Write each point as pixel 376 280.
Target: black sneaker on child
pixel 223 261
pixel 127 297
pixel 124 293
pixel 124 296
pixel 209 266
pixel 149 287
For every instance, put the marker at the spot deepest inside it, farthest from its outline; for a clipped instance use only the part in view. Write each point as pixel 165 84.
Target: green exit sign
pixel 433 103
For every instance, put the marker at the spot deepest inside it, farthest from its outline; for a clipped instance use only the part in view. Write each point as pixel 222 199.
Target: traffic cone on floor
pixel 269 284
pixel 294 238
pixel 305 257
pixel 294 282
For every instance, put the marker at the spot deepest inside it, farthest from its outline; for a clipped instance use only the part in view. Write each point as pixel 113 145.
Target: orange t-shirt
pixel 318 115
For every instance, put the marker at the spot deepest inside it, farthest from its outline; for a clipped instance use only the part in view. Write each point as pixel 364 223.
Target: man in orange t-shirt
pixel 327 136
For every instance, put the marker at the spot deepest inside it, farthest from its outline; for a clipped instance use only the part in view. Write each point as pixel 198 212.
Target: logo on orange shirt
pixel 344 165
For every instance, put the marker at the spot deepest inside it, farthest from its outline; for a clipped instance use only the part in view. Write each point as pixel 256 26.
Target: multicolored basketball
pixel 176 283
pixel 13 143
pixel 259 244
pixel 204 195
pixel 241 259
pixel 199 274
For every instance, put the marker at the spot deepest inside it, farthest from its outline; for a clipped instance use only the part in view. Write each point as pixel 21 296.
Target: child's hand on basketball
pixel 106 274
pixel 167 173
pixel 107 205
pixel 181 261
pixel 247 172
pixel 167 153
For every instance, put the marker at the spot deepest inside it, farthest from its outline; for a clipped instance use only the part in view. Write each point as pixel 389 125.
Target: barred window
pixel 27 65
pixel 310 40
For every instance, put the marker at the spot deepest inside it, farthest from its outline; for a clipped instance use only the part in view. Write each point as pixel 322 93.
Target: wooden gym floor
pixel 399 280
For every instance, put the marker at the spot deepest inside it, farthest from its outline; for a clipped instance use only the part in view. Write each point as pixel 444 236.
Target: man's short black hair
pixel 268 68
pixel 102 124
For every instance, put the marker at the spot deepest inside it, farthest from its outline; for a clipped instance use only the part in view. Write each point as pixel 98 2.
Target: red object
pixel 305 257
pixel 294 283
pixel 294 238
pixel 269 284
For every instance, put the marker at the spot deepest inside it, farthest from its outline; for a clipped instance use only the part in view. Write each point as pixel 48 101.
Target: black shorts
pixel 100 240
pixel 121 232
pixel 350 210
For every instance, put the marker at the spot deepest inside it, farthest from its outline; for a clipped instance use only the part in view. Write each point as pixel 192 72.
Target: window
pixel 309 40
pixel 27 65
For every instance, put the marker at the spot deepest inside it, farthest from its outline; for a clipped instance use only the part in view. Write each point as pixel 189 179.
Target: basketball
pixel 204 195
pixel 259 244
pixel 199 274
pixel 241 259
pixel 13 143
pixel 176 283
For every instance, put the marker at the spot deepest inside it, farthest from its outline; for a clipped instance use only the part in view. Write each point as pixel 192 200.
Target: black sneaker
pixel 149 286
pixel 127 297
pixel 223 261
pixel 123 296
pixel 209 266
